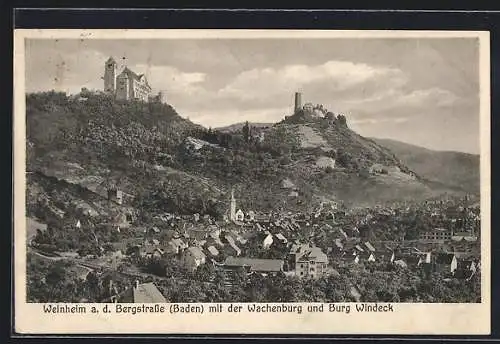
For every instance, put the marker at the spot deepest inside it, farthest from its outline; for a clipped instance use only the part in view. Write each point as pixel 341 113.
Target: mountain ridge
pixel 448 167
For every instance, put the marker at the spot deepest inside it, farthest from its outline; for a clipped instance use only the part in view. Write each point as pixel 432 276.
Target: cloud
pixel 382 86
pixel 172 80
pixel 48 68
pixel 333 76
pixel 400 99
pixel 379 120
pixel 434 96
pixel 369 94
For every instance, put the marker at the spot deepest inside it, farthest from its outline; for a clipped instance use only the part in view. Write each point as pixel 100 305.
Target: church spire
pixel 233 206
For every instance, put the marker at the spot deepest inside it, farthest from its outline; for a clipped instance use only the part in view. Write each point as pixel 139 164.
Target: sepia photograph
pixel 338 170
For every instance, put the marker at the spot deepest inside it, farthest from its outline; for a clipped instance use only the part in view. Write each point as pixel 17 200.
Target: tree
pixel 342 120
pixel 55 276
pixel 246 131
pixel 205 273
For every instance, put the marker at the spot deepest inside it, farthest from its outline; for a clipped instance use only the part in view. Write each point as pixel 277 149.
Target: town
pixel 295 246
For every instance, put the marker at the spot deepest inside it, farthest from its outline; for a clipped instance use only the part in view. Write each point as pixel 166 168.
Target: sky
pixel 422 91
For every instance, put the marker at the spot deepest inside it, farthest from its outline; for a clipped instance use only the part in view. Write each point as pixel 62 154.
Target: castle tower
pixel 232 213
pixel 298 101
pixel 123 87
pixel 110 71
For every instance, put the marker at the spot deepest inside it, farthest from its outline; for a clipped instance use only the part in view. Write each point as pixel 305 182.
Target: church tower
pixel 232 215
pixel 110 71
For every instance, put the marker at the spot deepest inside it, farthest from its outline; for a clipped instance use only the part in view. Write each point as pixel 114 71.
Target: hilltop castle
pixel 310 112
pixel 317 110
pixel 126 85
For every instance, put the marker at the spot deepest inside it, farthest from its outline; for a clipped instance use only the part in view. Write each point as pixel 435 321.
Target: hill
pixel 79 147
pixel 451 168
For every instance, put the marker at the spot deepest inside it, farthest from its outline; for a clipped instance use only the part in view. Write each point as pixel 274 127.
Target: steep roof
pixel 144 293
pixel 260 265
pixel 314 253
pixel 281 237
pixel 132 75
pixel 466 264
pixel 198 234
pixel 213 251
pixel 176 242
pixel 370 246
pixel 148 293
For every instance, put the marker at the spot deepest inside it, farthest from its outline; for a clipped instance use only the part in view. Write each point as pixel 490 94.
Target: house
pixel 239 238
pixel 425 258
pixel 212 251
pixel 85 209
pixel 377 169
pixel 260 227
pixel 154 231
pixel 232 248
pixel 176 246
pixel 192 257
pixel 342 233
pixel 308 261
pixel 445 263
pixel 338 246
pixel 401 263
pixel 262 218
pixel 436 235
pixel 134 250
pixel 115 195
pixel 354 258
pixel 147 250
pixel 156 253
pixel 367 256
pixel 240 215
pixel 251 215
pixel 168 235
pixel 248 235
pixel 359 248
pixel 370 247
pixel 214 239
pixel 355 294
pixel 287 184
pixel 413 261
pixel 120 220
pixel 255 265
pixel 267 241
pixel 196 235
pixel 140 293
pixel 281 238
pixel 293 193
